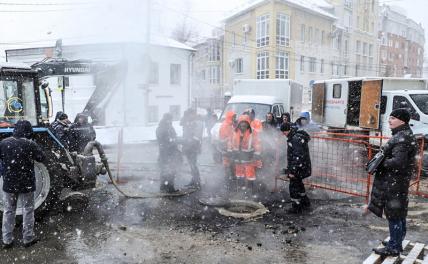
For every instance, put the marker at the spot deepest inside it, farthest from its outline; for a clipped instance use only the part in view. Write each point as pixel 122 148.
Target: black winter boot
pixel 306 203
pixel 295 208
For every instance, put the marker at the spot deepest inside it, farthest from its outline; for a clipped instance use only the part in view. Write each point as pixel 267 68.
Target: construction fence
pixel 338 164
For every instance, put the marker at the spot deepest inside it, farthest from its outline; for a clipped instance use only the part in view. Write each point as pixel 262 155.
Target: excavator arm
pixel 107 78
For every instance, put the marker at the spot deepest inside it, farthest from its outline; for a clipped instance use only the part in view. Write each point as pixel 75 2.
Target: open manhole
pixel 242 209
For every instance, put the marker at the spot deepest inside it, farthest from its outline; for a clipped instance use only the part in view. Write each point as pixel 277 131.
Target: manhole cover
pixel 243 209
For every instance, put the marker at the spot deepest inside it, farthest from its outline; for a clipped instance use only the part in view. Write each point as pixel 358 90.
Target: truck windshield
pixel 239 108
pixel 421 101
pixel 17 100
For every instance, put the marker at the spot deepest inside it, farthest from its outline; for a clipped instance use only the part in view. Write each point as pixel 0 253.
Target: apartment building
pixel 402 43
pixel 207 79
pixel 279 39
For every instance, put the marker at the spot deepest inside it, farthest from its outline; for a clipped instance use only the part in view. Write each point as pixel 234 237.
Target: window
pixel 402 102
pixel 175 74
pixel 175 111
pixel 153 114
pixel 371 50
pixel 275 111
pixel 312 64
pixel 203 75
pixel 154 73
pixel 281 71
pixel 214 74
pixel 317 36
pixel 322 37
pixel 239 65
pixel 310 37
pixel 364 49
pixel 358 47
pixel 302 63
pixel 262 34
pixel 263 65
pixel 322 66
pixel 214 51
pixel 302 33
pixel 346 49
pixel 421 101
pixel 345 69
pixel 337 90
pixel 234 39
pixel 283 30
pixel 383 101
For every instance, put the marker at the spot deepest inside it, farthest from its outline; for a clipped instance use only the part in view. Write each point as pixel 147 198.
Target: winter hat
pixel 402 114
pixel 22 129
pixel 285 127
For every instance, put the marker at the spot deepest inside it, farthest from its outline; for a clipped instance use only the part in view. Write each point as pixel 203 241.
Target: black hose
pixel 88 151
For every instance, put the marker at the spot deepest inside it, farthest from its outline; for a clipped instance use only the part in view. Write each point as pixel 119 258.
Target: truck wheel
pixel 47 190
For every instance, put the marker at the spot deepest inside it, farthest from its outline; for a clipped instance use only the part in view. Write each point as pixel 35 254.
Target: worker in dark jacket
pixel 60 127
pixel 298 167
pixel 18 154
pixel 81 133
pixel 169 155
pixel 391 183
pixel 192 142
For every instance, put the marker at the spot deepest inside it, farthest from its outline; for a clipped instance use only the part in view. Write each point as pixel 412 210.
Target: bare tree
pixel 185 31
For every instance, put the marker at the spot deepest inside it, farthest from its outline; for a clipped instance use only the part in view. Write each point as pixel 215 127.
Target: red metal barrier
pixel 338 164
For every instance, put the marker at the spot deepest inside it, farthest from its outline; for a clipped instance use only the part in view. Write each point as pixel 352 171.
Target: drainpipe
pixel 189 74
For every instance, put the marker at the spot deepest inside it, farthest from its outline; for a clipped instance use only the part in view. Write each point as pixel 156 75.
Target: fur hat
pixel 402 114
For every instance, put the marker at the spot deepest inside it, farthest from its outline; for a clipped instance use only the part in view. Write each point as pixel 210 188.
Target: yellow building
pixel 279 39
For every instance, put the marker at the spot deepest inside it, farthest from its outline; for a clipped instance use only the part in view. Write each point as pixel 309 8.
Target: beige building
pixel 279 39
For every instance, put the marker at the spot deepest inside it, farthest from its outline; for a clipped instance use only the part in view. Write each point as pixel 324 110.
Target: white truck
pixel 365 103
pixel 276 96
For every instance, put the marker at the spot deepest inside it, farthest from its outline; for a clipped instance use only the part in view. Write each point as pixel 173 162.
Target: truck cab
pixel 416 101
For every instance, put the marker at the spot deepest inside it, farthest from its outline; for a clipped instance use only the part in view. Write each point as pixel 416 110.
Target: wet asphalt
pixel 113 229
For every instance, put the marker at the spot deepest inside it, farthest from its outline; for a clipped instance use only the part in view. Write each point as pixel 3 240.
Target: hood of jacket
pixel 23 129
pixel 244 118
pixel 302 134
pixel 229 117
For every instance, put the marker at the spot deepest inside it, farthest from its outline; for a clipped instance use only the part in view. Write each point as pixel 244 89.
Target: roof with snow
pixel 154 40
pixel 10 65
pixel 313 6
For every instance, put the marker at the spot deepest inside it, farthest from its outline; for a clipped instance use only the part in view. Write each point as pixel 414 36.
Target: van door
pixel 318 102
pixel 336 103
pixel 371 93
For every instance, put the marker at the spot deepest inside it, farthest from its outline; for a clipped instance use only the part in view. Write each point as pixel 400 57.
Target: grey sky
pixel 29 23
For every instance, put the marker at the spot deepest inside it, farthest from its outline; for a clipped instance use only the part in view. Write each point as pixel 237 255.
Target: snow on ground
pixel 131 134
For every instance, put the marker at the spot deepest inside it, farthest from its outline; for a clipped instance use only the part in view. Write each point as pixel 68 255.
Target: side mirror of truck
pixel 415 116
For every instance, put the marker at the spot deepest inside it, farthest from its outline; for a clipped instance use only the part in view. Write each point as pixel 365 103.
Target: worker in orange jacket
pixel 245 149
pixel 225 134
pixel 255 123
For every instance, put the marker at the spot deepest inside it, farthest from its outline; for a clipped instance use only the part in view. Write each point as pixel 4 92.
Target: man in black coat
pixel 192 142
pixel 81 133
pixel 18 154
pixel 169 155
pixel 391 183
pixel 60 127
pixel 299 166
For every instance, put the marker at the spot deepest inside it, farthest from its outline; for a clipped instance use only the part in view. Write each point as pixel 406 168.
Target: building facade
pixel 285 39
pixel 402 43
pixel 207 78
pixel 157 79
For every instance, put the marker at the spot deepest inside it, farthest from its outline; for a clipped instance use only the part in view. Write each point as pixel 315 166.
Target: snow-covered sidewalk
pixel 131 134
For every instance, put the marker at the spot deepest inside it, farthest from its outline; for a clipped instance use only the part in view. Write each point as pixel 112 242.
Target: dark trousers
pixel 297 190
pixel 192 159
pixel 397 233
